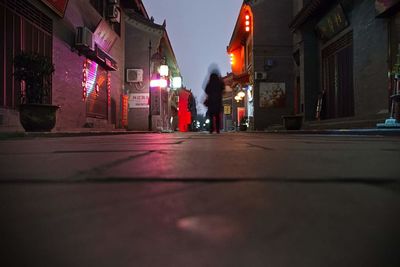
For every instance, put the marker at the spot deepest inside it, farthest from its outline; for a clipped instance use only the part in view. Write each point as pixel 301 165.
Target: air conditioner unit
pixel 260 75
pixel 134 75
pixel 112 2
pixel 113 13
pixel 84 38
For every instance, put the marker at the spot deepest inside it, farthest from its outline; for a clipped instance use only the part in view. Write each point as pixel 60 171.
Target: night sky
pixel 199 32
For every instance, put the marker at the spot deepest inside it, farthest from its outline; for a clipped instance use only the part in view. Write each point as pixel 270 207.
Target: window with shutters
pixel 23 28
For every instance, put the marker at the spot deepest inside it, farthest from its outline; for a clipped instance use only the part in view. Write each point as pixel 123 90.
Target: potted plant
pixel 36 112
pixel 243 124
pixel 292 122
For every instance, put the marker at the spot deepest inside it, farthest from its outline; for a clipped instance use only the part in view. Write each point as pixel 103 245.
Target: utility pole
pixel 150 119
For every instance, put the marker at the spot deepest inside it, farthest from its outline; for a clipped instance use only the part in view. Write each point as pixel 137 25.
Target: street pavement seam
pixel 88 179
pixel 100 169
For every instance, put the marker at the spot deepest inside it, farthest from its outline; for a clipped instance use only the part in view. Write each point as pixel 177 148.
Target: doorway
pixel 337 69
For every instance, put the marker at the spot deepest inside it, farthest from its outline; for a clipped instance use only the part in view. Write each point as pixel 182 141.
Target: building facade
pixel 261 55
pixel 345 52
pixel 147 48
pixel 92 44
pixel 85 43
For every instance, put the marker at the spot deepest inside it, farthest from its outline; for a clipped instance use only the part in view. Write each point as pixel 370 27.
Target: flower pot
pixel 243 127
pixel 38 117
pixel 292 122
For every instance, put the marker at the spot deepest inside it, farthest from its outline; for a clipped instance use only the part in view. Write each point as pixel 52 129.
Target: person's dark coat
pixel 214 90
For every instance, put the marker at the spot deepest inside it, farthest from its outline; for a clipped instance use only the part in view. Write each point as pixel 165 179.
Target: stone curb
pixel 12 135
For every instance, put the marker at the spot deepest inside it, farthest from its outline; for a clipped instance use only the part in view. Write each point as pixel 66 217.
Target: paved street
pixel 235 199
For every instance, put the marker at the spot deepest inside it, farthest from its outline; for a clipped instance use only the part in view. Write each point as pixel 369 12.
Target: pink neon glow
pixel 91 76
pixel 158 83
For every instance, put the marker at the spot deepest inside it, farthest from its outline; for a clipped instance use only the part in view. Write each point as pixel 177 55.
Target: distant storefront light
pixel 176 82
pixel 159 83
pixel 164 70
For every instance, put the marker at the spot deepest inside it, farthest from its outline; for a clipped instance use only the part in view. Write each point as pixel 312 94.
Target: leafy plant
pixel 35 70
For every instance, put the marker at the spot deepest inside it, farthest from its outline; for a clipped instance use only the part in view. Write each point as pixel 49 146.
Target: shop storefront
pixel 23 28
pixel 337 65
pixel 341 62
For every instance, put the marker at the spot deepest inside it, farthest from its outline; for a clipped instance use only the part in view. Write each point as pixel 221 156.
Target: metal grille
pixel 343 42
pixel 29 12
pixel 22 27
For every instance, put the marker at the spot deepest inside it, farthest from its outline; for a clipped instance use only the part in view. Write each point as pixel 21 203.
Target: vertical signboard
pixel 155 101
pixel 227 109
pixel 124 111
pixel 104 36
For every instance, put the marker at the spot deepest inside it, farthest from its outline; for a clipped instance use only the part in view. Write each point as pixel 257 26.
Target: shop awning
pixel 243 78
pixel 103 59
pixel 308 11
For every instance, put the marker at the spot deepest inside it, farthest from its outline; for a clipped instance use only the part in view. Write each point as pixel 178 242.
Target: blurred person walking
pixel 214 90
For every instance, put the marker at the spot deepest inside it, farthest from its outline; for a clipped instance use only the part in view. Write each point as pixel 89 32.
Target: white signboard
pixel 138 100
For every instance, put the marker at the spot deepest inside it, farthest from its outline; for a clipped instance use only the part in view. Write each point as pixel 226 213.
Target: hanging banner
pixel 58 6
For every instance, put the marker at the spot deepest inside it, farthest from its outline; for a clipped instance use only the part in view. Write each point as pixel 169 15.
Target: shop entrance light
pixel 239 96
pixel 159 83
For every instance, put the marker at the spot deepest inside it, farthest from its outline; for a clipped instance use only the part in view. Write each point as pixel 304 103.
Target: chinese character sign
pixel 138 100
pixel 333 23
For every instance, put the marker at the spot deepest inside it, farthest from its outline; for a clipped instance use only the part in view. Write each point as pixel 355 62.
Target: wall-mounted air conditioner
pixel 260 75
pixel 113 13
pixel 84 38
pixel 134 75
